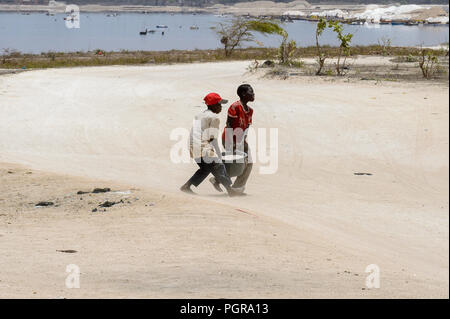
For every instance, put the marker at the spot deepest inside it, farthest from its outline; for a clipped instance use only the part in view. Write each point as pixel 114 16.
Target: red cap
pixel 214 98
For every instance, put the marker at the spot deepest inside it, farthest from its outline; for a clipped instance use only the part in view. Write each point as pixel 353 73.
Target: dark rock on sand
pixel 109 204
pixel 101 190
pixel 68 251
pixel 40 204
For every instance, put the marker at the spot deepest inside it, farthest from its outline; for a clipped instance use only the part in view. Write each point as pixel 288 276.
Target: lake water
pixel 37 32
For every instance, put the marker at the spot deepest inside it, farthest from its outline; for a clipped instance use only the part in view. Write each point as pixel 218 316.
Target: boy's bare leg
pixel 241 180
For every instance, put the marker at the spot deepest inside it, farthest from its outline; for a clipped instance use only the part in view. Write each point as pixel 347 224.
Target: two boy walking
pixel 204 146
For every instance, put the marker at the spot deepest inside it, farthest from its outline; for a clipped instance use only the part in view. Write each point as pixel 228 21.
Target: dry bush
pixel 429 63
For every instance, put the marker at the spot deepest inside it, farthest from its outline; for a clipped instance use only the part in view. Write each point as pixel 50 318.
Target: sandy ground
pixel 310 230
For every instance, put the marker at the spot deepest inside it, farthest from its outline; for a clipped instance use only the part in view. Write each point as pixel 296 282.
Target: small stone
pixel 101 190
pixel 94 210
pixel 43 204
pixel 68 251
pixel 107 204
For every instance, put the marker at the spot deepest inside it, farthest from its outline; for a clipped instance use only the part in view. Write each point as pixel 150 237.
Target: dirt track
pixel 113 124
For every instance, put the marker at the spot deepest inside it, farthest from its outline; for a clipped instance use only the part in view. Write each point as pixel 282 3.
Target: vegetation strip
pixel 17 60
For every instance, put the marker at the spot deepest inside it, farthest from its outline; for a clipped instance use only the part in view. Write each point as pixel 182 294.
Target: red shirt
pixel 239 119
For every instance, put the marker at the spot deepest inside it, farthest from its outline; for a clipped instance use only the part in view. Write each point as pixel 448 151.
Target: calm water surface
pixel 38 32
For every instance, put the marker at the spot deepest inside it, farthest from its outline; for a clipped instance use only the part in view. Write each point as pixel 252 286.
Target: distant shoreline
pixel 103 9
pixel 251 9
pixel 238 9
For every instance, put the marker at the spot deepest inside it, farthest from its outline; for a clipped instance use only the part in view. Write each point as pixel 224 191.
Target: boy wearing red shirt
pixel 239 119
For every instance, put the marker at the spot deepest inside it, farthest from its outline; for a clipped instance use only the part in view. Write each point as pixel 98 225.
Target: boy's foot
pixel 215 184
pixel 232 192
pixel 240 190
pixel 187 189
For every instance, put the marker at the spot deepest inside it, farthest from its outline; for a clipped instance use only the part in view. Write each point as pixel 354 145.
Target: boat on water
pixel 313 18
pixel 162 26
pixel 194 27
pixel 286 19
pixel 143 32
pixel 385 21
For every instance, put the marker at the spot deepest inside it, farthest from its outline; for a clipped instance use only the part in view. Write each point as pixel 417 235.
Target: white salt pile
pixel 332 13
pixel 376 13
pixel 442 20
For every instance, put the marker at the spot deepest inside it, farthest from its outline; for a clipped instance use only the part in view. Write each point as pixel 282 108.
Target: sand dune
pixel 113 123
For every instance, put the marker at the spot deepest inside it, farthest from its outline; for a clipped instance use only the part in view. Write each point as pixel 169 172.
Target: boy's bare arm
pixel 229 121
pixel 214 142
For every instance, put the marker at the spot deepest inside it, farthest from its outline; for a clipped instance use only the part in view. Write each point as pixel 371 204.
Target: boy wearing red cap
pixel 204 148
